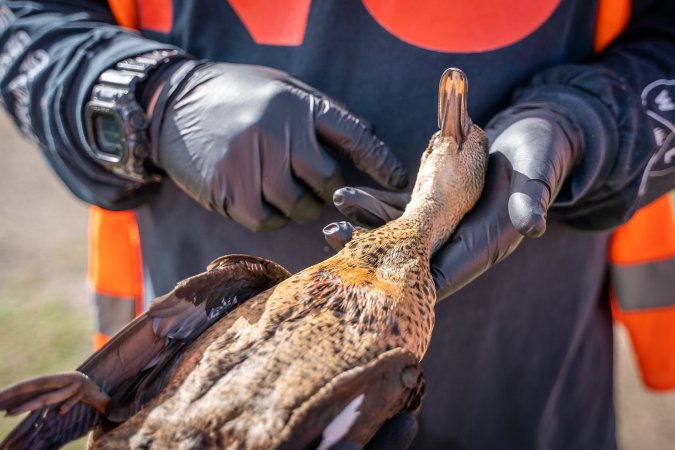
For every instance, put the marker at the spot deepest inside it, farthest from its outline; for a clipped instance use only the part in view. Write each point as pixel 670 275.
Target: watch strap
pixel 129 73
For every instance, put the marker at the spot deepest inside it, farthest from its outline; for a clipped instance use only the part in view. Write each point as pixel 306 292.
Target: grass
pixel 40 333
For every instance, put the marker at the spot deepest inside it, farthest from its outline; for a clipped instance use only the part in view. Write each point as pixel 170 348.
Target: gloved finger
pixel 256 215
pixel 363 208
pixel 348 134
pixel 302 206
pixel 528 203
pixel 292 199
pixel 337 234
pixel 314 166
pixel 396 433
pixel 398 200
pixel 245 206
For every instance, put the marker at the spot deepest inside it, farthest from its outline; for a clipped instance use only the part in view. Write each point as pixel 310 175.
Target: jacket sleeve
pixel 51 54
pixel 622 105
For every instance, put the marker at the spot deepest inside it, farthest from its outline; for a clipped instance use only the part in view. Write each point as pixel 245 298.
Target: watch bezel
pixel 97 108
pixel 134 128
pixel 113 96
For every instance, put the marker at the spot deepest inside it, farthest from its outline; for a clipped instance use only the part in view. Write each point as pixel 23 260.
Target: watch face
pixel 109 135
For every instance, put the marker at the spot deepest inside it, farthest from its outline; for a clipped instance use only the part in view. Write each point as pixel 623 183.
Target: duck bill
pixel 452 117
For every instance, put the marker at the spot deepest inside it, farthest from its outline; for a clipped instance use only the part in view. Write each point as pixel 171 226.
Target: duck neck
pixel 434 209
pixel 432 222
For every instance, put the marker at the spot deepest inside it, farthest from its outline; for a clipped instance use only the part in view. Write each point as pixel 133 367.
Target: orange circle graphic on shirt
pixel 461 26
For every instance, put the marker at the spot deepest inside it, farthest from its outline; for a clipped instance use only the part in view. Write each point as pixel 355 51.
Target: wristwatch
pixel 116 124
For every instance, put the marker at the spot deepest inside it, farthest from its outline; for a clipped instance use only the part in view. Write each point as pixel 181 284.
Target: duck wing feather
pixel 355 404
pixel 134 365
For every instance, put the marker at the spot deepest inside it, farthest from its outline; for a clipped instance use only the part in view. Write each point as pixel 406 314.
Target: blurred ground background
pixel 45 321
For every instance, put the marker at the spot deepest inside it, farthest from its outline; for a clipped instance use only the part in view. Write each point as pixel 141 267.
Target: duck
pixel 247 356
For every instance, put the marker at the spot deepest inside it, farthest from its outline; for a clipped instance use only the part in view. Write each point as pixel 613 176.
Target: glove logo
pixel 657 98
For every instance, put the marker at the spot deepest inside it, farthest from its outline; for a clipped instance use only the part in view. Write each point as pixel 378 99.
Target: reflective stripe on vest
pixel 115 270
pixel 642 256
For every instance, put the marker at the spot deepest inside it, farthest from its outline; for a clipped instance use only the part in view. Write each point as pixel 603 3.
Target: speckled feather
pixel 245 357
pixel 241 381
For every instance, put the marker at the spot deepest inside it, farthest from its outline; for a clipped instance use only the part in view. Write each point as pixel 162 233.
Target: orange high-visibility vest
pixel 642 257
pixel 642 252
pixel 114 271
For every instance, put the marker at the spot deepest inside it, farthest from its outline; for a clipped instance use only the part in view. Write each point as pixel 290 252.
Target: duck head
pixel 452 171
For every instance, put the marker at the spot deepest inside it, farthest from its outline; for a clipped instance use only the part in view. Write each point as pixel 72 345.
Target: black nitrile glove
pixel 252 143
pixel 532 152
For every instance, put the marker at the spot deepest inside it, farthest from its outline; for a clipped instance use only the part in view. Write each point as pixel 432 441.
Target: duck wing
pixel 355 404
pixel 136 362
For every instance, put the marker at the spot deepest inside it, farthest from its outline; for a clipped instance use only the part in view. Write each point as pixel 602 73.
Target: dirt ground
pixel 45 317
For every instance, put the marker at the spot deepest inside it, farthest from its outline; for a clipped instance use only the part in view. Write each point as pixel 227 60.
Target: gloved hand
pixel 252 143
pixel 533 149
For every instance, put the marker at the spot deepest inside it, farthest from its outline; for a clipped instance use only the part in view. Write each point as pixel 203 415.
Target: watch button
pixel 138 121
pixel 141 151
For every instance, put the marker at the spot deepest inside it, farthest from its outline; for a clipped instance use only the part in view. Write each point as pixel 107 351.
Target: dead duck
pixel 245 355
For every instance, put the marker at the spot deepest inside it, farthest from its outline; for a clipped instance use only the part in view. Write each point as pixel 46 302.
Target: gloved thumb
pixel 337 234
pixel 541 156
pixel 528 202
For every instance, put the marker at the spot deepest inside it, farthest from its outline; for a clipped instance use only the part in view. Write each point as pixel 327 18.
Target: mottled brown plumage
pixel 273 371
